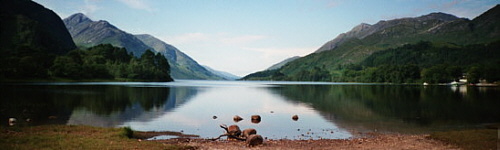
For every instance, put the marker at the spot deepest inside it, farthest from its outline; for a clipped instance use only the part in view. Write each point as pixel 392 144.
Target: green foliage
pixel 273 74
pixel 150 66
pixel 127 132
pixel 25 62
pixel 445 62
pixel 260 74
pixel 410 63
pixel 74 137
pixel 316 74
pixel 384 73
pixel 428 62
pixel 107 62
pixel 436 74
pixel 462 42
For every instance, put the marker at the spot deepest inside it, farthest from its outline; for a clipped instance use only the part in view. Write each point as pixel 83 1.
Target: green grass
pixel 470 139
pixel 75 137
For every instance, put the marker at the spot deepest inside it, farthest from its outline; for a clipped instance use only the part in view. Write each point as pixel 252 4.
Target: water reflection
pixel 138 111
pixel 99 105
pixel 403 109
pixel 325 110
pixel 196 117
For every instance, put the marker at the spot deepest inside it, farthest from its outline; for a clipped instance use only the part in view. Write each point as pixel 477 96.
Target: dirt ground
pixel 381 141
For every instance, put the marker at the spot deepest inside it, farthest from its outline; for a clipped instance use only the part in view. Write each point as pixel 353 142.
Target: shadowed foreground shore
pixel 386 141
pixel 86 137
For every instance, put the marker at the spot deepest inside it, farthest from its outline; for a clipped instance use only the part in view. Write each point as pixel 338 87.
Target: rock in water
pixel 254 140
pixel 12 121
pixel 247 132
pixel 256 119
pixel 237 118
pixel 234 130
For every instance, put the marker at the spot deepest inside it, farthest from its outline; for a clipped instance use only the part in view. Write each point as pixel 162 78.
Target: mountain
pixel 182 66
pixel 349 49
pixel 225 75
pixel 411 25
pixel 271 72
pixel 282 63
pixel 86 32
pixel 24 22
pixel 30 37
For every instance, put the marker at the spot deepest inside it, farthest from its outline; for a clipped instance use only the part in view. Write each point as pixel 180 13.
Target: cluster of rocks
pixel 233 132
pixel 250 136
pixel 13 121
pixel 255 118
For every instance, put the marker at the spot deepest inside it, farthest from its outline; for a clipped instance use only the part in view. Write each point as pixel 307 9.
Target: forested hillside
pixel 393 51
pixel 411 63
pixel 86 33
pixel 30 37
pixel 107 62
pixel 35 45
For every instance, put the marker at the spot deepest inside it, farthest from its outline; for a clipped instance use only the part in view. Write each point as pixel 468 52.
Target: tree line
pixel 98 62
pixel 410 63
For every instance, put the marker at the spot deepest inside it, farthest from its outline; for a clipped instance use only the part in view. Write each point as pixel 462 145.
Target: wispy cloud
pixel 244 39
pixel 227 48
pixel 467 8
pixel 89 7
pixel 218 39
pixel 137 4
pixel 282 52
pixel 332 3
pixel 461 8
pixel 187 38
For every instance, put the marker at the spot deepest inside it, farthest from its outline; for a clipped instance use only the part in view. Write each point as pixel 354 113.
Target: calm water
pixel 325 110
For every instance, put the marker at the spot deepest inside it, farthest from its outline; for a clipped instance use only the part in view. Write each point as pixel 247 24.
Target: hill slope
pixel 30 37
pixel 182 66
pixel 364 40
pixel 87 32
pixel 225 75
pixel 282 63
pixel 24 22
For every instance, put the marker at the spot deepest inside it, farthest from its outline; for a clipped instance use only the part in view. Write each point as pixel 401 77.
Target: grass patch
pixel 75 137
pixel 470 139
pixel 127 132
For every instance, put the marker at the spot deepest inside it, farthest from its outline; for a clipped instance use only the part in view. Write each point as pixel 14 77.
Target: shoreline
pixel 382 141
pixel 458 139
pixel 88 137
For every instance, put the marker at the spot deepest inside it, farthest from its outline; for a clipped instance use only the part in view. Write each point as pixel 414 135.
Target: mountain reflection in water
pixel 325 110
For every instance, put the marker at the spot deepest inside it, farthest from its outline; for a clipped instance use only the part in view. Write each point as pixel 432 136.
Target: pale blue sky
pixel 243 37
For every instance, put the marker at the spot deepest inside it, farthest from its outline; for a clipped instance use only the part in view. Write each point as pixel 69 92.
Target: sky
pixel 246 36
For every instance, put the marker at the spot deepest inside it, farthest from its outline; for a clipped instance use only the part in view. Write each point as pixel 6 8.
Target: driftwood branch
pixel 223 126
pixel 230 136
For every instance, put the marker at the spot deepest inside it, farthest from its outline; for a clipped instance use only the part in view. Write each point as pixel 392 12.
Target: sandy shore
pixel 381 141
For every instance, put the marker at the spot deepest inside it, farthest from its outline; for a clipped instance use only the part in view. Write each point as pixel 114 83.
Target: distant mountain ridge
pixel 182 66
pixel 363 30
pixel 225 75
pixel 351 48
pixel 86 32
pixel 282 63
